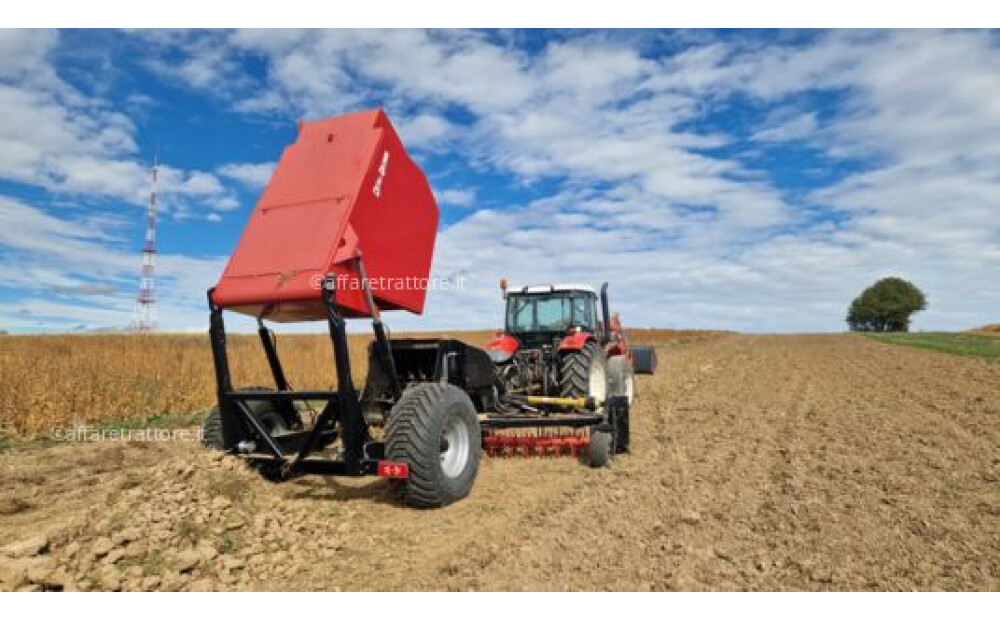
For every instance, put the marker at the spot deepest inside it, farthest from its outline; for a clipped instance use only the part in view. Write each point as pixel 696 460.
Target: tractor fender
pixel 502 347
pixel 575 342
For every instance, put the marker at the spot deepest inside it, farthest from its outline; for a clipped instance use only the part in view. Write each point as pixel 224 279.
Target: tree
pixel 886 306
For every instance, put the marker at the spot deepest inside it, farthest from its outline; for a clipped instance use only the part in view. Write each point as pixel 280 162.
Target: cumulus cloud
pixel 456 197
pixel 253 176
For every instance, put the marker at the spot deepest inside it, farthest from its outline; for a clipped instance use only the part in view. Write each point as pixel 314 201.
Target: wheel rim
pixel 455 445
pixel 598 381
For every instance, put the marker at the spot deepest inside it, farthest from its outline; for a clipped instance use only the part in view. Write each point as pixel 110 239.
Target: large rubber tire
pixel 584 373
pixel 622 377
pixel 434 429
pixel 264 411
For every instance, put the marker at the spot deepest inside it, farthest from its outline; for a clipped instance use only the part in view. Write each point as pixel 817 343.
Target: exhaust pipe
pixel 606 335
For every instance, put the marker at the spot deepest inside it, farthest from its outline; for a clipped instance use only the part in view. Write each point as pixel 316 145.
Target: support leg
pixel 285 406
pixel 353 429
pixel 232 432
pixel 383 349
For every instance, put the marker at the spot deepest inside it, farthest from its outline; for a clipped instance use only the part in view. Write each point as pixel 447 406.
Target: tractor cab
pixel 538 315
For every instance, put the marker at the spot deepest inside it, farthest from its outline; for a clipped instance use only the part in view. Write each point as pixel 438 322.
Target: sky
pixel 745 180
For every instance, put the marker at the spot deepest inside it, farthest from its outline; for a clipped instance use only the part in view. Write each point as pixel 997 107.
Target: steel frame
pixel 341 416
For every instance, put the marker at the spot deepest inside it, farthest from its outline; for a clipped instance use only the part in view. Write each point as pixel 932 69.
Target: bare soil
pixel 758 463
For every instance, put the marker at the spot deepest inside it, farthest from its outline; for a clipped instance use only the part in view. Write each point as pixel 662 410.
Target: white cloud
pixel 424 130
pixel 456 197
pixel 71 271
pixel 25 54
pixel 920 111
pixel 253 176
pixel 797 127
pixel 55 137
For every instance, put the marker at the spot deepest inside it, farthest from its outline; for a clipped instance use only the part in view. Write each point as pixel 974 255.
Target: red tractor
pixel 557 342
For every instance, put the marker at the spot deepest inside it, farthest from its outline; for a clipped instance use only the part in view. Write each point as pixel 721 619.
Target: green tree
pixel 886 306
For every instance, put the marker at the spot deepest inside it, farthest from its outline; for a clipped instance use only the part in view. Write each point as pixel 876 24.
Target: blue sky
pixel 743 180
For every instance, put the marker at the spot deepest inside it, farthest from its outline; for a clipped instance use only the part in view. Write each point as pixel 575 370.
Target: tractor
pixel 346 208
pixel 556 343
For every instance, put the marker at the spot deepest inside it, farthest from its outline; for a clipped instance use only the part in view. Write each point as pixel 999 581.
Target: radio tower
pixel 145 302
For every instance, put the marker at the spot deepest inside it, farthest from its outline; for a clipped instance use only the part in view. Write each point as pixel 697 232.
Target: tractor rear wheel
pixel 622 377
pixel 434 429
pixel 584 373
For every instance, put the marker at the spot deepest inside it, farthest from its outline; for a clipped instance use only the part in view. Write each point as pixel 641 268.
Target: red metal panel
pixel 575 341
pixel 345 186
pixel 504 342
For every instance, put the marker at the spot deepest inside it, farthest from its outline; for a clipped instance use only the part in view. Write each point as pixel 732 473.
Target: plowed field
pixel 758 463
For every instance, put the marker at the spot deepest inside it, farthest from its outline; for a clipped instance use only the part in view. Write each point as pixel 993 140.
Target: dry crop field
pixel 50 381
pixel 799 462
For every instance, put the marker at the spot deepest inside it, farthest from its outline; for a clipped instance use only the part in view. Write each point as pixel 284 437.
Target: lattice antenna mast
pixel 145 303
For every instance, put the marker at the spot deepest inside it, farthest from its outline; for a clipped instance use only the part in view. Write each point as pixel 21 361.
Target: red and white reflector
pixel 393 469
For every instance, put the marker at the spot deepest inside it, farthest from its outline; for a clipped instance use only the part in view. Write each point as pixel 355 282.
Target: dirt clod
pixel 26 548
pixel 187 560
pixel 102 547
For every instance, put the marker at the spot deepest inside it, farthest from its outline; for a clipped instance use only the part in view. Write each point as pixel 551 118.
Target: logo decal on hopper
pixel 377 189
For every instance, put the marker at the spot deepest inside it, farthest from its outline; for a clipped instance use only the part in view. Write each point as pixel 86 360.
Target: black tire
pixel 416 434
pixel 622 378
pixel 601 449
pixel 575 369
pixel 264 411
pixel 617 409
pixel 211 430
pixel 645 360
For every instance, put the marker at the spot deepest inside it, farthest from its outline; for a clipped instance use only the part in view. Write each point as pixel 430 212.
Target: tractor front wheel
pixel 433 428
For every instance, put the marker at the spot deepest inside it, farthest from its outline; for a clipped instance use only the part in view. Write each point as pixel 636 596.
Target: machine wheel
pixel 211 430
pixel 584 373
pixel 600 449
pixel 433 428
pixel 622 377
pixel 645 360
pixel 268 417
